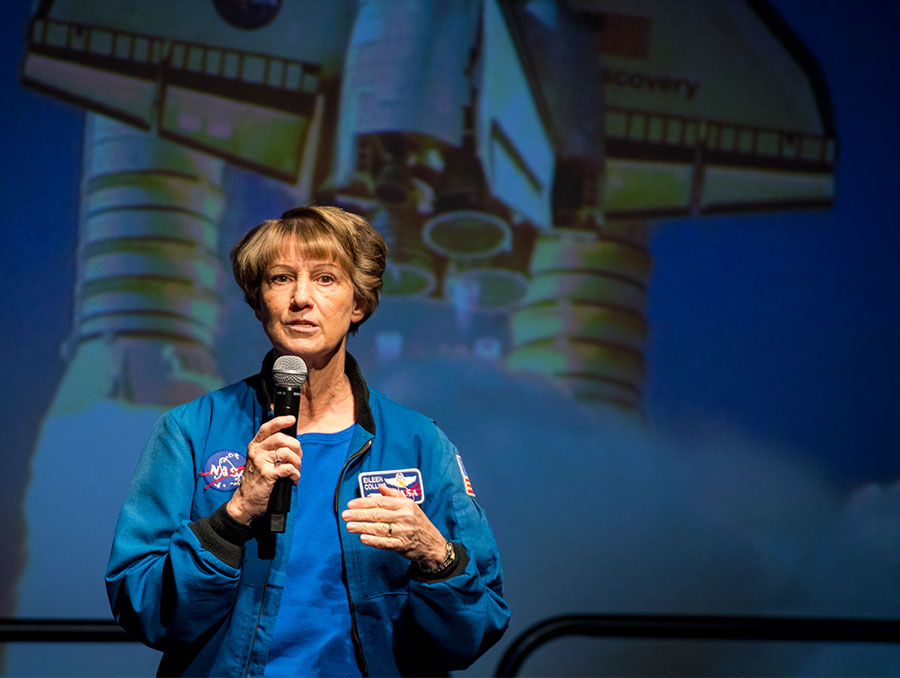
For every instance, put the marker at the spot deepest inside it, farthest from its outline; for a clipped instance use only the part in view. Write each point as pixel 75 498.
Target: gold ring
pixel 390 529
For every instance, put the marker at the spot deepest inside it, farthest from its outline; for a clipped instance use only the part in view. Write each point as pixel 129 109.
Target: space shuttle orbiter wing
pixel 710 107
pixel 211 80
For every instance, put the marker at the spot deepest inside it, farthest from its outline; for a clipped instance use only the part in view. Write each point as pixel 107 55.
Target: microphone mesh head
pixel 289 370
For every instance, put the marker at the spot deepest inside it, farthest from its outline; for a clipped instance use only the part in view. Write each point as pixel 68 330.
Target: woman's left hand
pixel 394 522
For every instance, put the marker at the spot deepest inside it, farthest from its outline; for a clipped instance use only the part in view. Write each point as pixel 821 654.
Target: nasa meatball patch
pixel 407 480
pixel 223 470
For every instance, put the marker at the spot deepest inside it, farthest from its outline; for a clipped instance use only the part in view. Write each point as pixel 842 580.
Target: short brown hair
pixel 321 232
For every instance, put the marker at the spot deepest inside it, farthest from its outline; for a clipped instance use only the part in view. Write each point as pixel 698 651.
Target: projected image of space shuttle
pixel 231 78
pixel 407 154
pixel 711 108
pixel 517 154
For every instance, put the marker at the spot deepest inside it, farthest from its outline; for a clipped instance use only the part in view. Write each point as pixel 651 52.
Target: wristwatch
pixel 448 561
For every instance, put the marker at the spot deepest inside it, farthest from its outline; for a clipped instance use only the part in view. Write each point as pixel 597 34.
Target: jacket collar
pixel 266 389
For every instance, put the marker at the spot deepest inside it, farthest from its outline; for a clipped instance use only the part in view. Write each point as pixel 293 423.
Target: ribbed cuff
pixel 223 536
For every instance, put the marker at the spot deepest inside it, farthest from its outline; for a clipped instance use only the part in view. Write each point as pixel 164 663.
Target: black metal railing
pixel 62 631
pixel 656 627
pixel 693 627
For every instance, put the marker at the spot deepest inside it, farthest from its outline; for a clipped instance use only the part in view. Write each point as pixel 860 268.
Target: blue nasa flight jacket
pixel 189 581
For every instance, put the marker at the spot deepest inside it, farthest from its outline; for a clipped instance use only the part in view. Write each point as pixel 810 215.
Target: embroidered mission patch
pixel 407 480
pixel 223 470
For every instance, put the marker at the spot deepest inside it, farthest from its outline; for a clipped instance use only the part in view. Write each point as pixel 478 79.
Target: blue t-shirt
pixel 312 631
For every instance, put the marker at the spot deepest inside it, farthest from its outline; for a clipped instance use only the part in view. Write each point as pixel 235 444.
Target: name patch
pixel 407 480
pixel 223 470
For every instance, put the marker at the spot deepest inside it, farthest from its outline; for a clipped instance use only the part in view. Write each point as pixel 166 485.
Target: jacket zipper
pixel 262 603
pixel 354 633
pixel 262 598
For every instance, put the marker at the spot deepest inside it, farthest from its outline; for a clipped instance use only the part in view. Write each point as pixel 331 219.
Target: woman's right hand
pixel 270 455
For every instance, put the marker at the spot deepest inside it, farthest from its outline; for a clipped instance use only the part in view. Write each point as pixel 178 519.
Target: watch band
pixel 448 561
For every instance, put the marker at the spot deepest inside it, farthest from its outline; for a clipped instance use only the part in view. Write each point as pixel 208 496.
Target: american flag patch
pixel 465 477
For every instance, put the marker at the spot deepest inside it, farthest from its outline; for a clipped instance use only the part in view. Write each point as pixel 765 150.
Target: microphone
pixel 289 374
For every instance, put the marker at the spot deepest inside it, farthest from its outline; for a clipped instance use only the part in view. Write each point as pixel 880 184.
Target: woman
pixel 408 583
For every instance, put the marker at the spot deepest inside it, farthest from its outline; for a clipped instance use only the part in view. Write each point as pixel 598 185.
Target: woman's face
pixel 306 305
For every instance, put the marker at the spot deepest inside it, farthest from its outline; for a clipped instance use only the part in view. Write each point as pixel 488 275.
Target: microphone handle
pixel 287 401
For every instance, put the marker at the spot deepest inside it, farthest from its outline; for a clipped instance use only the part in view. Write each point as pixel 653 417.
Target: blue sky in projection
pixel 786 324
